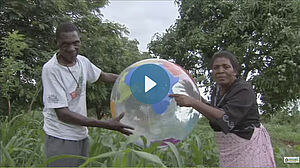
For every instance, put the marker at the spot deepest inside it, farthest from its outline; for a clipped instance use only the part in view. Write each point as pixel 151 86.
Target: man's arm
pixel 107 77
pixel 65 115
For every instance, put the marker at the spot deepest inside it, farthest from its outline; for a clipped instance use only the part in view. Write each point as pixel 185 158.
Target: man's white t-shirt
pixel 59 90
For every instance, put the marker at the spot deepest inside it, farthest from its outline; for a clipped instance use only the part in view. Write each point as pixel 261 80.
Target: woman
pixel 242 140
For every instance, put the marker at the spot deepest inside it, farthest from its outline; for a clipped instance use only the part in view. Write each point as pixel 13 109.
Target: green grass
pixel 21 144
pixel 286 142
pixel 21 141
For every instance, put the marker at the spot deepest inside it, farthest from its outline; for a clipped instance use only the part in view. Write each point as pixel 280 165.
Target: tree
pixel 11 72
pixel 107 48
pixel 265 36
pixel 105 44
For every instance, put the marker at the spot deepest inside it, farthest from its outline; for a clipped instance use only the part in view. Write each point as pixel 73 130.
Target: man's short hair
pixel 65 27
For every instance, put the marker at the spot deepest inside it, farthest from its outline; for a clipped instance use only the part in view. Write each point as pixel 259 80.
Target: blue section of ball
pixel 156 74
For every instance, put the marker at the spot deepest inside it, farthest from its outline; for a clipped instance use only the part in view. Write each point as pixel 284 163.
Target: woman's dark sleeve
pixel 236 106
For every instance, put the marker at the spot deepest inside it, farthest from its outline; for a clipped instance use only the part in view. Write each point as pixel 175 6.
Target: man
pixel 64 79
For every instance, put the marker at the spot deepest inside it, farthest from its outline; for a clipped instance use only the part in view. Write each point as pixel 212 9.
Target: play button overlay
pixel 150 83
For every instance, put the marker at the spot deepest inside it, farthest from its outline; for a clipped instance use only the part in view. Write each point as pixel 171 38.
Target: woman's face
pixel 223 72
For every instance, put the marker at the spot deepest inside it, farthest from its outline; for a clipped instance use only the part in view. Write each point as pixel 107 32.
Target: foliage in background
pixel 264 35
pixel 31 26
pixel 106 46
pixel 12 68
pixel 283 128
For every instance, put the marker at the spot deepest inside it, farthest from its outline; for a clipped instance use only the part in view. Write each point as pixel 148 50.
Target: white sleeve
pixel 54 94
pixel 93 72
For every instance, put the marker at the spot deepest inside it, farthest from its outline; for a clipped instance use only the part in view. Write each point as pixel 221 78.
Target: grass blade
pixel 176 153
pixel 91 159
pixel 6 155
pixel 54 158
pixel 149 157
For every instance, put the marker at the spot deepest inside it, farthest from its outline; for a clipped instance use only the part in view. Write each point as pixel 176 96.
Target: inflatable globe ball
pixel 141 91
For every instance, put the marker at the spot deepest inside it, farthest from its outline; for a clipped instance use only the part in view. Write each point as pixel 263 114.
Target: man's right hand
pixel 65 115
pixel 116 125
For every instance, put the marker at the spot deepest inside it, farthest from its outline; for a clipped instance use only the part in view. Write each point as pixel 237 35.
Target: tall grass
pixel 285 136
pixel 21 141
pixel 22 138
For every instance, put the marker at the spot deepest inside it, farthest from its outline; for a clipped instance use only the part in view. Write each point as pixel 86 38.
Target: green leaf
pixel 176 153
pixel 104 155
pixel 149 157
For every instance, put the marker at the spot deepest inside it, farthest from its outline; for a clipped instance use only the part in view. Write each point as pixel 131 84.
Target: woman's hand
pixel 183 100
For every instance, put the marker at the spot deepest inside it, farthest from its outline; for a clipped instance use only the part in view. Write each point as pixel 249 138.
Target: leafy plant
pixel 28 28
pixel 264 35
pixel 12 68
pixel 22 141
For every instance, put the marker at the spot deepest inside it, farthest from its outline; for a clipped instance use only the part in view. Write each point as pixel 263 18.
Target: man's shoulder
pixel 50 63
pixel 82 58
pixel 52 66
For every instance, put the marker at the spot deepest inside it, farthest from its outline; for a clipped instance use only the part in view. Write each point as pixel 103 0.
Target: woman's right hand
pixel 183 100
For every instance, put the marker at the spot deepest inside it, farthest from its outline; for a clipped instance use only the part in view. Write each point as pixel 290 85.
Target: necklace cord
pixel 73 77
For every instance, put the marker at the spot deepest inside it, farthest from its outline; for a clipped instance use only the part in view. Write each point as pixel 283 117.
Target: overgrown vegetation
pixel 21 144
pixel 264 35
pixel 27 31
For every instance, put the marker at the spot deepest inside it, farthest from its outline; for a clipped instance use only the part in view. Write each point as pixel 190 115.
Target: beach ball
pixel 141 91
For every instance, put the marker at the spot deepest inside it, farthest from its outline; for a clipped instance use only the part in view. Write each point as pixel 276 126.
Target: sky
pixel 142 18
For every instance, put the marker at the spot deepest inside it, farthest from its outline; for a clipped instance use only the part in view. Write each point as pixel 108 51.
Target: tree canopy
pixel 264 35
pixel 27 31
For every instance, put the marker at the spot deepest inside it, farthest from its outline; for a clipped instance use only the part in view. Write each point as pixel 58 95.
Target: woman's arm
pixel 208 111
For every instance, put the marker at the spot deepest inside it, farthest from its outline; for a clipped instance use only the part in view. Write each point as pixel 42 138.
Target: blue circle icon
pixel 150 83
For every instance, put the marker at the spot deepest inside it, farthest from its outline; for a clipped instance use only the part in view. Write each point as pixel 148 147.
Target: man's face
pixel 223 71
pixel 69 45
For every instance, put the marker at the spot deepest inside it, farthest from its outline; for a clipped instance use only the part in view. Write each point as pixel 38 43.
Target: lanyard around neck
pixel 77 82
pixel 73 77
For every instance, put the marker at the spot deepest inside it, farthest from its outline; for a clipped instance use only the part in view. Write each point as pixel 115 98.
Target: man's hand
pixel 183 100
pixel 65 115
pixel 116 125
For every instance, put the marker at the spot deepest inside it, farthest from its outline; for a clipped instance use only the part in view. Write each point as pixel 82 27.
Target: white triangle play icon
pixel 149 84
